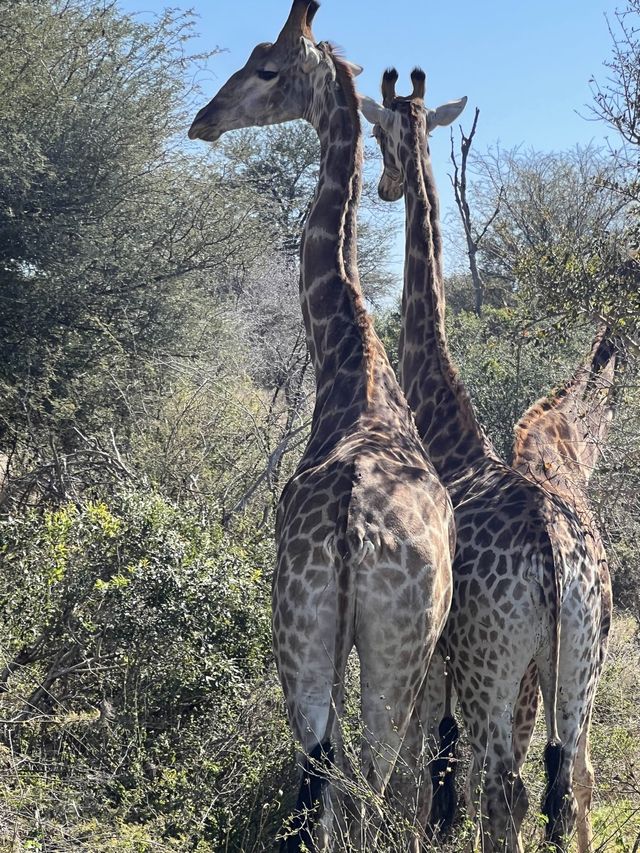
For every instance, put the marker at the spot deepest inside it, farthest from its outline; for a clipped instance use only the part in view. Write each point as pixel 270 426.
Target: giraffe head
pixel 275 85
pixel 397 123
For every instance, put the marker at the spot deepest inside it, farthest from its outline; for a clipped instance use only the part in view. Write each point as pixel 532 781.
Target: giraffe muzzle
pixel 204 131
pixel 390 189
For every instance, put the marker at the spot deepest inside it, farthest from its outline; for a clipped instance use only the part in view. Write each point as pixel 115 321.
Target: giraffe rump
pixel 557 439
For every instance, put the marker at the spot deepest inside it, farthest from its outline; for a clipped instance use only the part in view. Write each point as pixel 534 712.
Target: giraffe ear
pixel 375 113
pixel 355 69
pixel 311 56
pixel 446 113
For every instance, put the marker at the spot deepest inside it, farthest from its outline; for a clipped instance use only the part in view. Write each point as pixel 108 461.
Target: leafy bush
pixel 137 642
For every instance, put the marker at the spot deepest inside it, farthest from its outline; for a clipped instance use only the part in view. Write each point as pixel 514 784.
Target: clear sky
pixel 525 63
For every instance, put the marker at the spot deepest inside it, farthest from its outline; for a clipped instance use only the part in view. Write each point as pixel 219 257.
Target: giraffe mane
pixel 605 348
pixel 363 320
pixel 449 371
pixel 595 375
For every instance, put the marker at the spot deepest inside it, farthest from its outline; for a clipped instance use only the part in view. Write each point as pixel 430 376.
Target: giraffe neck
pixel 444 415
pixel 340 337
pixel 559 439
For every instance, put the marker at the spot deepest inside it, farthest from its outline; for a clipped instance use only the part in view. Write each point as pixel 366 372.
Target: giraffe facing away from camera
pixel 365 531
pixel 558 442
pixel 525 583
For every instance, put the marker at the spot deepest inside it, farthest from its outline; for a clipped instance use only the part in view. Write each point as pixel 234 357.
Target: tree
pixel 617 100
pixel 108 233
pixel 473 237
pixel 280 167
pixel 553 247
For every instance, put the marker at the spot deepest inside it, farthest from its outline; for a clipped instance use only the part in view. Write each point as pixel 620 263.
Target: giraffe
pixel 364 530
pixel 558 443
pixel 525 584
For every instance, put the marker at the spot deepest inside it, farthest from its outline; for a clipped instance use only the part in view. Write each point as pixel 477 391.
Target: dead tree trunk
pixel 459 182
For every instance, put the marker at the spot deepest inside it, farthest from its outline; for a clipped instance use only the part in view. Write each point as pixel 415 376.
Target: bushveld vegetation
pixel 155 392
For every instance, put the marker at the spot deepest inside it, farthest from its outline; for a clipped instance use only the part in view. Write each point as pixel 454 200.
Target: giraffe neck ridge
pixel 445 417
pixel 558 440
pixel 339 332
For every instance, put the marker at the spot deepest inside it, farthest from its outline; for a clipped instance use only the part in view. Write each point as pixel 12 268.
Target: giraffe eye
pixel 264 74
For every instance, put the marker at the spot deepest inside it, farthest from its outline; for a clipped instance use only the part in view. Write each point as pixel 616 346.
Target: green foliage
pixel 92 213
pixel 589 277
pixel 146 587
pixel 132 631
pixel 506 365
pixel 388 328
pixel 117 249
pixel 556 239
pixel 505 362
pixel 280 164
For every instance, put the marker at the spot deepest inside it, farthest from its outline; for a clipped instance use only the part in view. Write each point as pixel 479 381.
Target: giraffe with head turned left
pixel 364 530
pixel 525 583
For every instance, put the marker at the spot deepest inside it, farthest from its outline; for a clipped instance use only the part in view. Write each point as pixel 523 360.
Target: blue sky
pixel 525 64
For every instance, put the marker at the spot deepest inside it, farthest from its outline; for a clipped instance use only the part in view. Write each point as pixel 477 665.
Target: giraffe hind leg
pixel 559 803
pixel 311 668
pixel 525 714
pixel 389 695
pixel 561 806
pixel 497 794
pixel 584 779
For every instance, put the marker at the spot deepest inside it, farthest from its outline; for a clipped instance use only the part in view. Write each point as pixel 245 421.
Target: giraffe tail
pixel 445 799
pixel 554 755
pixel 554 758
pixel 315 770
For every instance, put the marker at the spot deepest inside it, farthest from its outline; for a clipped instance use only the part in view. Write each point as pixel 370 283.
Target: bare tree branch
pixel 459 183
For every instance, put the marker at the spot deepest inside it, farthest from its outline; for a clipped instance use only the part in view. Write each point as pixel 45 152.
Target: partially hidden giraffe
pixel 365 533
pixel 525 583
pixel 558 443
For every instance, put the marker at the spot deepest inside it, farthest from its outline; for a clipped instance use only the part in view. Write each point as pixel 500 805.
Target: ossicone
pixel 299 22
pixel 419 80
pixel 389 80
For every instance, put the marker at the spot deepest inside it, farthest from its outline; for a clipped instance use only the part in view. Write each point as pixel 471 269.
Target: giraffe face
pixel 409 117
pixel 402 124
pixel 271 88
pixel 394 127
